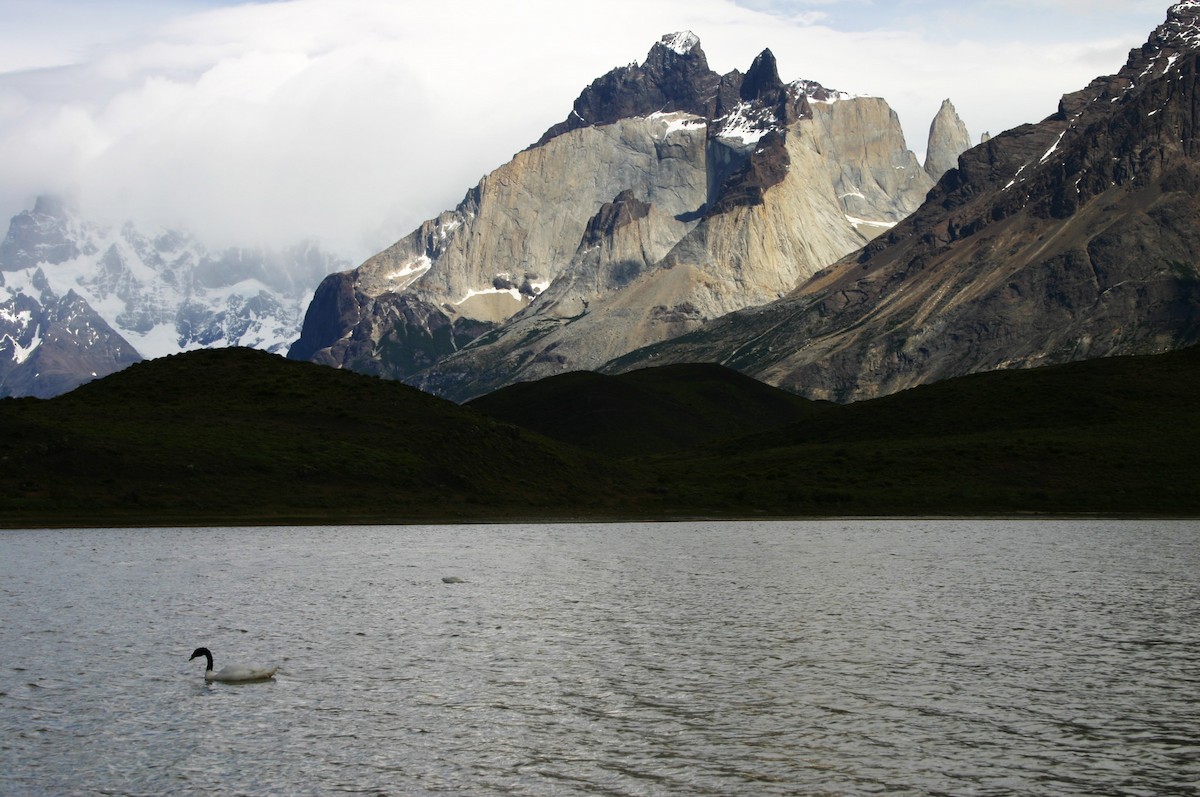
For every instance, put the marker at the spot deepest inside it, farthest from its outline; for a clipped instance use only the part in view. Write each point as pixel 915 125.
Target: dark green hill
pixel 236 435
pixel 1110 436
pixel 652 410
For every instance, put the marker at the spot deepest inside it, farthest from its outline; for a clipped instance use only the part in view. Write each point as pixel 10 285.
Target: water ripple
pixel 665 659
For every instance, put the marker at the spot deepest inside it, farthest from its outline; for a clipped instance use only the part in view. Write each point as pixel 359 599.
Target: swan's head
pixel 198 652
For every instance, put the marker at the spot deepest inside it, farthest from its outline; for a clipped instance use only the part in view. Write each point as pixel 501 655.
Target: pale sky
pixel 351 121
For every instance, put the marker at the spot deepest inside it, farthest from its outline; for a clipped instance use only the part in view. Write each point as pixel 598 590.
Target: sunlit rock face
pixel 1068 239
pixel 669 196
pixel 948 138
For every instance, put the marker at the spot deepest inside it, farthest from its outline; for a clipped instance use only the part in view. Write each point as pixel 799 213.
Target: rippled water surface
pixel 687 659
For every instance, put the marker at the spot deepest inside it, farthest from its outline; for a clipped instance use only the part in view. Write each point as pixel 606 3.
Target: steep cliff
pixel 1070 239
pixel 669 196
pixel 506 242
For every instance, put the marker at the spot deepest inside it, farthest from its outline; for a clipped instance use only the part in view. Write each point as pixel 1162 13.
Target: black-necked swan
pixel 234 673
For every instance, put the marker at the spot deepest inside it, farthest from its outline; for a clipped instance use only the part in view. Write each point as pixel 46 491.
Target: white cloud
pixel 354 120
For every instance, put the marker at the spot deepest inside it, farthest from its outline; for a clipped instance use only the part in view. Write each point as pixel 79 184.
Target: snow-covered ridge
pixel 1180 32
pixel 818 93
pixel 163 291
pixel 19 323
pixel 747 123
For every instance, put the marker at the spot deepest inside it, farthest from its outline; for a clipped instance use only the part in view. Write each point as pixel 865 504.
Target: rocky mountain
pixel 669 196
pixel 1069 239
pixel 948 138
pixel 80 300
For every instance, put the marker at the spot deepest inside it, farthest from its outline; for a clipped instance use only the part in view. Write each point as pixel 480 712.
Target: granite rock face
pixel 948 138
pixel 669 196
pixel 1069 239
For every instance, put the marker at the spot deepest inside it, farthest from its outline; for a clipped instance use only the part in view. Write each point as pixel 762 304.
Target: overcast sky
pixel 351 121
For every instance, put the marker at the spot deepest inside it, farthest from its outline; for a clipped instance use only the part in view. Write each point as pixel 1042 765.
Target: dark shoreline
pixel 250 523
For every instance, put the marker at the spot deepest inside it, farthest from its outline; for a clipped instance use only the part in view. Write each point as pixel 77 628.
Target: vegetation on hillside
pixel 237 436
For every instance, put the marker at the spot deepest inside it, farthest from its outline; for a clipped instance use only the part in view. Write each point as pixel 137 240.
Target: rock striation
pixel 669 196
pixel 1069 239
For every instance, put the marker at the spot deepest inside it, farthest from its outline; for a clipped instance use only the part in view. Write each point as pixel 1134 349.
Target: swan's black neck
pixel 205 653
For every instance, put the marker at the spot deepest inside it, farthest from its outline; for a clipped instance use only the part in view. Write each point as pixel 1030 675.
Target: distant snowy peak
pixel 46 234
pixel 50 344
pixel 126 294
pixel 681 43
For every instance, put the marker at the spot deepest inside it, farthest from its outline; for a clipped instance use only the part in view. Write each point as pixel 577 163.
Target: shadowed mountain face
pixel 1069 239
pixel 669 196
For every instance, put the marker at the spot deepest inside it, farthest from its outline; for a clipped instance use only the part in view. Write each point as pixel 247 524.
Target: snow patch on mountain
pixel 857 222
pixel 472 293
pixel 681 43
pixel 678 120
pixel 746 124
pixel 412 271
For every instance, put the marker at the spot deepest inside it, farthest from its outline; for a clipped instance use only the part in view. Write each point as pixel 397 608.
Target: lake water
pixel 856 657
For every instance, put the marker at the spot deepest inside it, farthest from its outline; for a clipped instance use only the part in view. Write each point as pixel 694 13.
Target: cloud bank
pixel 351 121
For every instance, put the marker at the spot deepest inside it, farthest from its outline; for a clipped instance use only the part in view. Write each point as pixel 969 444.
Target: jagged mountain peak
pixel 683 42
pixel 763 77
pixel 1072 238
pixel 948 138
pixel 674 77
pixel 41 235
pixel 1182 28
pixel 1176 37
pixel 49 205
pixel 676 51
pixel 669 195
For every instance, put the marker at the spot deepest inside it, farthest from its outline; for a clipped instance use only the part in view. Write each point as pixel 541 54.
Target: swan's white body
pixel 234 673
